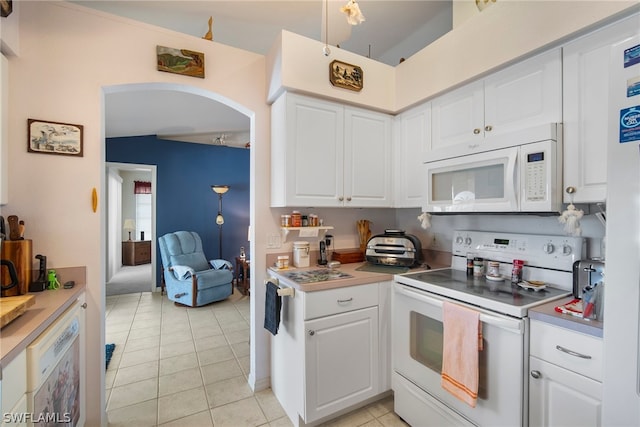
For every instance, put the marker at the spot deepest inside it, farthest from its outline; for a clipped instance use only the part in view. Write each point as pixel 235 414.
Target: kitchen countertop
pixel 21 332
pixel 546 313
pixel 358 277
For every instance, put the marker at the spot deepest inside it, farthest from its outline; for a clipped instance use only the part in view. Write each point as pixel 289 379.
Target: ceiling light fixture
pixel 354 15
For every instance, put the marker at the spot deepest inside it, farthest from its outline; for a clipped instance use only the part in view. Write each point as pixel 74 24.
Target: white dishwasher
pixel 55 389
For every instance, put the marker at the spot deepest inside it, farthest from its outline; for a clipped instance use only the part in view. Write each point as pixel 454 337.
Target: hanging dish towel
pixel 462 340
pixel 272 306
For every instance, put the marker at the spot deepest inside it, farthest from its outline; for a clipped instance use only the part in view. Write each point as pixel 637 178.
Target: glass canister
pixel 301 254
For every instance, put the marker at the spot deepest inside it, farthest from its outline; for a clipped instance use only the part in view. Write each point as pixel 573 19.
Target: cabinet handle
pixel 312 333
pixel 341 198
pixel 342 301
pixel 488 128
pixel 348 199
pixel 536 374
pixel 573 353
pixel 84 305
pixel 476 131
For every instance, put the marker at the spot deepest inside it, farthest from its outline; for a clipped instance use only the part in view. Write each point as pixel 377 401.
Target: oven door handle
pixel 511 325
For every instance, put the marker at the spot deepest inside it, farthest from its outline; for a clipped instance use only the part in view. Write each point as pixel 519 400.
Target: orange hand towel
pixel 462 340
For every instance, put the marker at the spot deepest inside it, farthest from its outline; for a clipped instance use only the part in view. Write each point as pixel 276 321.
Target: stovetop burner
pixel 502 297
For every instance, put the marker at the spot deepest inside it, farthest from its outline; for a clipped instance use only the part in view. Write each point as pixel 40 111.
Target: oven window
pixel 426 341
pixel 426 348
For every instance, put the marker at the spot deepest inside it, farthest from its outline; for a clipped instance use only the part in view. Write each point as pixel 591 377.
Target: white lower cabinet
pixel 326 357
pixel 560 397
pixel 565 381
pixel 341 361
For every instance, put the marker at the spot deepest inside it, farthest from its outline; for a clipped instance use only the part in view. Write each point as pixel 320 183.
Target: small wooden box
pixel 347 257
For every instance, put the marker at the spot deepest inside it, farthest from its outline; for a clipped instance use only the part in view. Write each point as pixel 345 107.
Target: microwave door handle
pixel 512 325
pixel 512 190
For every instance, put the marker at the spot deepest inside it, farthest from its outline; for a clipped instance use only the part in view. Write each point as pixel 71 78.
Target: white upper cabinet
pixel 413 135
pixel 326 154
pixel 586 110
pixel 521 96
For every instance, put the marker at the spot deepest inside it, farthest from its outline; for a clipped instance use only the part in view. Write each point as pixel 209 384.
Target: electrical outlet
pixel 273 241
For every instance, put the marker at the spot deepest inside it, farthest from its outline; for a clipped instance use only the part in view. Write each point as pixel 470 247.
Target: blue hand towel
pixel 272 306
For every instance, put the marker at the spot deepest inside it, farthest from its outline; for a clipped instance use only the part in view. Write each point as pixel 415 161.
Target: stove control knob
pixel 566 249
pixel 467 241
pixel 548 248
pixel 459 240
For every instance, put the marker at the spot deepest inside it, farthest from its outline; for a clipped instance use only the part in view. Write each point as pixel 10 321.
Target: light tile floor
pixel 178 366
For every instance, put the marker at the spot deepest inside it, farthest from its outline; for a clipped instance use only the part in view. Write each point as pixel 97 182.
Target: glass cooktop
pixel 500 296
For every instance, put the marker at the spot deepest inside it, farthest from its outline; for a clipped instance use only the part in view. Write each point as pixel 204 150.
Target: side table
pixel 243 267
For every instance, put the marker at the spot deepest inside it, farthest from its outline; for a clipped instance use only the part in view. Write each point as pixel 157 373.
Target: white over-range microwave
pixel 518 172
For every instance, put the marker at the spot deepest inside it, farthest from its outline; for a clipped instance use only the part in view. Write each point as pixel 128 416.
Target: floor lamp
pixel 220 190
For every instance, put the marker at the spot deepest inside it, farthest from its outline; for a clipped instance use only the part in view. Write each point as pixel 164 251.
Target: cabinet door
pixel 524 95
pixel 341 361
pixel 367 159
pixel 307 151
pixel 586 110
pixel 559 397
pixel 414 139
pixel 458 117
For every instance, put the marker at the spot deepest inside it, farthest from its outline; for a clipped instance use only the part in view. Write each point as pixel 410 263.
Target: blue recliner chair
pixel 189 278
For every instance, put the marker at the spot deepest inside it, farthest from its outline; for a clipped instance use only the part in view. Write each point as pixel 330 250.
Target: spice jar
pixel 285 220
pixel 470 257
pixel 478 267
pixel 493 269
pixel 296 219
pixel 516 272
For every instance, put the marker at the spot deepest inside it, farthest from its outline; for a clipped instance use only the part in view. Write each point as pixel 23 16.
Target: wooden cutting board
pixel 12 307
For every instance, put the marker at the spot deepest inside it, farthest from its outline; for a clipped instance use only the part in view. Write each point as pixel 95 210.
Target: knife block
pixel 19 252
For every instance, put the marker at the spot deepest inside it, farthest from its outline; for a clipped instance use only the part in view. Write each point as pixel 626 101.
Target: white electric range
pixel 503 307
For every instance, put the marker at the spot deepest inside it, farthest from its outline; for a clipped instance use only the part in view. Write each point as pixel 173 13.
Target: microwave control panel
pixel 535 176
pixel 540 176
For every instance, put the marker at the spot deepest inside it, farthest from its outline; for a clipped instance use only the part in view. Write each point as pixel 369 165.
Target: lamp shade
pixel 129 225
pixel 219 219
pixel 220 189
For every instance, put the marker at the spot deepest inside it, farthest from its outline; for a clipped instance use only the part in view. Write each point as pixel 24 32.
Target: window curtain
pixel 141 187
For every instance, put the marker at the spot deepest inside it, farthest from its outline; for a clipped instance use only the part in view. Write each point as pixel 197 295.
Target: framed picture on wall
pixel 54 138
pixel 346 76
pixel 180 61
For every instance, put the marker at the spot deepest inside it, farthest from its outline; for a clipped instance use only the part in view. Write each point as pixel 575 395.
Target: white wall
pixel 68 57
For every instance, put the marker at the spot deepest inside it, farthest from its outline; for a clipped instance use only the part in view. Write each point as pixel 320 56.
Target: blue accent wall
pixel 184 199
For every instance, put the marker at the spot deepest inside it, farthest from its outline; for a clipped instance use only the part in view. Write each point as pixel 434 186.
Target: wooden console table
pixel 243 267
pixel 136 252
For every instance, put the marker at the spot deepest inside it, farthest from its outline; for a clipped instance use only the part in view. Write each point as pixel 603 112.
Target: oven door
pixel 483 182
pixel 417 356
